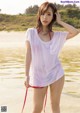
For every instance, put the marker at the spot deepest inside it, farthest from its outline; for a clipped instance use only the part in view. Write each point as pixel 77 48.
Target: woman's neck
pixel 45 29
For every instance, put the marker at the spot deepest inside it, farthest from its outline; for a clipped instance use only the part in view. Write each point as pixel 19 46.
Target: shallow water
pixel 12 62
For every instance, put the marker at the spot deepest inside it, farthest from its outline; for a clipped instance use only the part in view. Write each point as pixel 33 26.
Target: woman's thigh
pixel 38 96
pixel 55 91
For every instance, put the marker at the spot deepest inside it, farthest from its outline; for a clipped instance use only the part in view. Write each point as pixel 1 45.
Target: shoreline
pixel 54 28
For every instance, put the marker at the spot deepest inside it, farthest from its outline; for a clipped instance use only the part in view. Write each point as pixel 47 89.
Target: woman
pixel 43 47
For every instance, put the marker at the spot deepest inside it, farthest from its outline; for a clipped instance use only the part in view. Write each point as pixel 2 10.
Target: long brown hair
pixel 42 9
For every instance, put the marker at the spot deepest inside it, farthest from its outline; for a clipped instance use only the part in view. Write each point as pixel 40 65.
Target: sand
pixel 12 93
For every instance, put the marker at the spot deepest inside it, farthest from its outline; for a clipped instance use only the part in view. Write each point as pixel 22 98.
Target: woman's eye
pixel 49 14
pixel 46 14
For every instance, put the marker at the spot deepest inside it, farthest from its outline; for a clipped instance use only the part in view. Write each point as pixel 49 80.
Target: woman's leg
pixel 55 94
pixel 38 99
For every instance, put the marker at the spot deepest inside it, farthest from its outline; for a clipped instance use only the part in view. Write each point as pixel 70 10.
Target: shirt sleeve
pixel 28 35
pixel 63 36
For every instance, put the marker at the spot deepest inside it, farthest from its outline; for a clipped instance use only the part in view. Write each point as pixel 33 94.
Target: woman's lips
pixel 45 21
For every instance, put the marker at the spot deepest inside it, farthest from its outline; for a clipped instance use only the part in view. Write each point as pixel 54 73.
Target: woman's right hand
pixel 26 82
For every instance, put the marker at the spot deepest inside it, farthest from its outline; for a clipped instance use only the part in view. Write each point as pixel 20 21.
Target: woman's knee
pixel 55 106
pixel 37 108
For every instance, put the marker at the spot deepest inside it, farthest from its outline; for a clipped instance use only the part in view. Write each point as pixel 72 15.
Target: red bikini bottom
pixel 26 97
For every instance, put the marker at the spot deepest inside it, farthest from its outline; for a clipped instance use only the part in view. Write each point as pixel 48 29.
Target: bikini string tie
pixel 45 99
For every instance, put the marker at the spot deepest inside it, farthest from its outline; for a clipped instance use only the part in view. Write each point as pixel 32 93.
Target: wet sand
pixel 12 93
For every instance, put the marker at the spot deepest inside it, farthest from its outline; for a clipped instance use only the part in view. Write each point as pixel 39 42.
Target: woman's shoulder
pixel 31 29
pixel 61 32
pixel 30 32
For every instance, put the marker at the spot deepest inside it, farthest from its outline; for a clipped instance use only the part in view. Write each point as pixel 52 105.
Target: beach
pixel 12 73
pixel 12 93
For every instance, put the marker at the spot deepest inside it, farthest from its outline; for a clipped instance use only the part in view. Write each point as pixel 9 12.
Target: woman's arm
pixel 27 59
pixel 72 30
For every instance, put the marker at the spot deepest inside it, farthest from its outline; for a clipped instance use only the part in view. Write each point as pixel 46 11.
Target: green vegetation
pixel 69 14
pixel 16 22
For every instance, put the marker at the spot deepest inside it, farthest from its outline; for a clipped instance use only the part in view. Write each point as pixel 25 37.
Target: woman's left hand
pixel 58 18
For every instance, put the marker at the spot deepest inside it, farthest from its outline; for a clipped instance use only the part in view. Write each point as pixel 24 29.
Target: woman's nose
pixel 45 16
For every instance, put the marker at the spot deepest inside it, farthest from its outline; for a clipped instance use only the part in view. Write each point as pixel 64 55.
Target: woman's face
pixel 47 17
